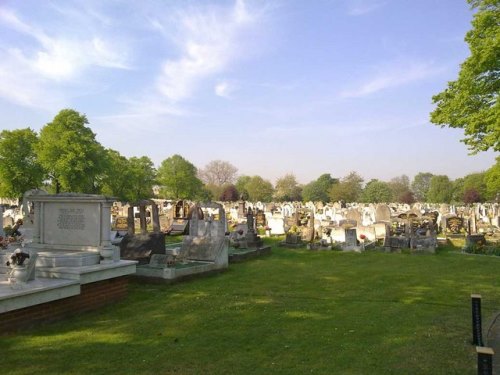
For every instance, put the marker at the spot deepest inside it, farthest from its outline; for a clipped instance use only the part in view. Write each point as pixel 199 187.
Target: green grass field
pixel 295 312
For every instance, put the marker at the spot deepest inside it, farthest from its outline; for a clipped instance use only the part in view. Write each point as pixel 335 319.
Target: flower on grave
pixel 362 236
pixel 267 228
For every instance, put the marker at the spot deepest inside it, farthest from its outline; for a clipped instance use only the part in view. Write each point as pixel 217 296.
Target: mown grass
pixel 294 312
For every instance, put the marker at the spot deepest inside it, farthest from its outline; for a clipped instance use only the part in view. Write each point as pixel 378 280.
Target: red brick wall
pixel 92 296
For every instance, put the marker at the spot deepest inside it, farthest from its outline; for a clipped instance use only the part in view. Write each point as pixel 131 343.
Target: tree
pixel 259 189
pixel 476 182
pixel 318 190
pixel 440 190
pixel 178 180
pixel 142 177
pixel 349 189
pixel 377 191
pixel 229 194
pixel 400 187
pixel 492 180
pixel 420 185
pixel 471 196
pixel 19 168
pixel 287 189
pixel 471 102
pixel 70 154
pixel 116 176
pixel 218 173
pixel 241 184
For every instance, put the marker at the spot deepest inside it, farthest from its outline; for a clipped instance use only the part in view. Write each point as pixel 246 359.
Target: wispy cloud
pixel 391 76
pixel 363 7
pixel 35 69
pixel 208 41
pixel 224 89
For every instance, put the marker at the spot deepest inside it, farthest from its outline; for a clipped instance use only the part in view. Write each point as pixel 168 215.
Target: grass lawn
pixel 294 312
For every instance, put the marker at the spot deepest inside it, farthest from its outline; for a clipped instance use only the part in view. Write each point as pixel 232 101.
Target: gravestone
pixel 383 213
pixel 454 224
pixel 76 223
pixel 351 238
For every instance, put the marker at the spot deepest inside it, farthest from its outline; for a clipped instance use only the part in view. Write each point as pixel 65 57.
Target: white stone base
pixel 35 292
pixel 54 283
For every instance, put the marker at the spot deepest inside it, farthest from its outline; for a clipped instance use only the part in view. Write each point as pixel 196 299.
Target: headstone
pixel 351 238
pixel 383 213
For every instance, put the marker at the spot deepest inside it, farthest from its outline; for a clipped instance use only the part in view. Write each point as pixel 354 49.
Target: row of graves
pixel 356 227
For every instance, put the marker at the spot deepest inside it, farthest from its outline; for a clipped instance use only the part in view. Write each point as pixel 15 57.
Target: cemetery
pixel 335 271
pixel 356 239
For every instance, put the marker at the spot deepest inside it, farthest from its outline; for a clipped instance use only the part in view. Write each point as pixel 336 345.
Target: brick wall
pixel 92 297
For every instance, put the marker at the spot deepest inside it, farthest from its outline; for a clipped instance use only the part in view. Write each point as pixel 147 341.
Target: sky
pixel 273 87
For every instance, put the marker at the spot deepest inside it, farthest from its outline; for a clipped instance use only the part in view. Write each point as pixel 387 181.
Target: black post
pixel 484 360
pixel 477 332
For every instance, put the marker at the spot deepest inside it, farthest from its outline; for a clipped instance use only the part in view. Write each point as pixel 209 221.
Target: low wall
pixel 92 296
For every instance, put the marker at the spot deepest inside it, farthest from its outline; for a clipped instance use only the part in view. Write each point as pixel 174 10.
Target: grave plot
pixel 204 250
pixel 69 255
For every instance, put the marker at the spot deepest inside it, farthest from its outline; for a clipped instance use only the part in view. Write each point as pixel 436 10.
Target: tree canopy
pixel 178 179
pixel 471 101
pixel 256 188
pixel 377 191
pixel 287 189
pixel 440 190
pixel 318 189
pixel 349 189
pixel 19 167
pixel 420 185
pixel 70 154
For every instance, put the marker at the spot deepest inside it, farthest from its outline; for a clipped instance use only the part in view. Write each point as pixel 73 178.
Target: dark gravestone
pixel 477 333
pixel 454 224
pixel 140 246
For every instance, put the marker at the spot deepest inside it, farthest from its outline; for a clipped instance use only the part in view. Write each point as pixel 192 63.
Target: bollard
pixel 484 360
pixel 477 333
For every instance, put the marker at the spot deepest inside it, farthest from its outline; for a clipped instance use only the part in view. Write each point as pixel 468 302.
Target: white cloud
pixel 36 69
pixel 208 40
pixel 224 89
pixel 391 76
pixel 364 7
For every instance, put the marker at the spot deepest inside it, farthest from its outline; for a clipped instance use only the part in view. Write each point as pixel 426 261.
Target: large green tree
pixel 471 101
pixel 70 154
pixel 241 184
pixel 420 185
pixel 19 167
pixel 400 187
pixel 178 179
pixel 256 188
pixel 492 180
pixel 142 177
pixel 440 190
pixel 318 189
pixel 287 189
pixel 349 189
pixel 377 191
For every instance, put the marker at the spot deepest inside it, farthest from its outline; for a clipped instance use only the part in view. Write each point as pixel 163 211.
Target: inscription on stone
pixel 71 219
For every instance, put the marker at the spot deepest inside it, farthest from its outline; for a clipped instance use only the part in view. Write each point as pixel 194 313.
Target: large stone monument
pixel 72 230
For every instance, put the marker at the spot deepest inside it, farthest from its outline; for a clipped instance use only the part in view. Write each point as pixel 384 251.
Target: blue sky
pixel 274 87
